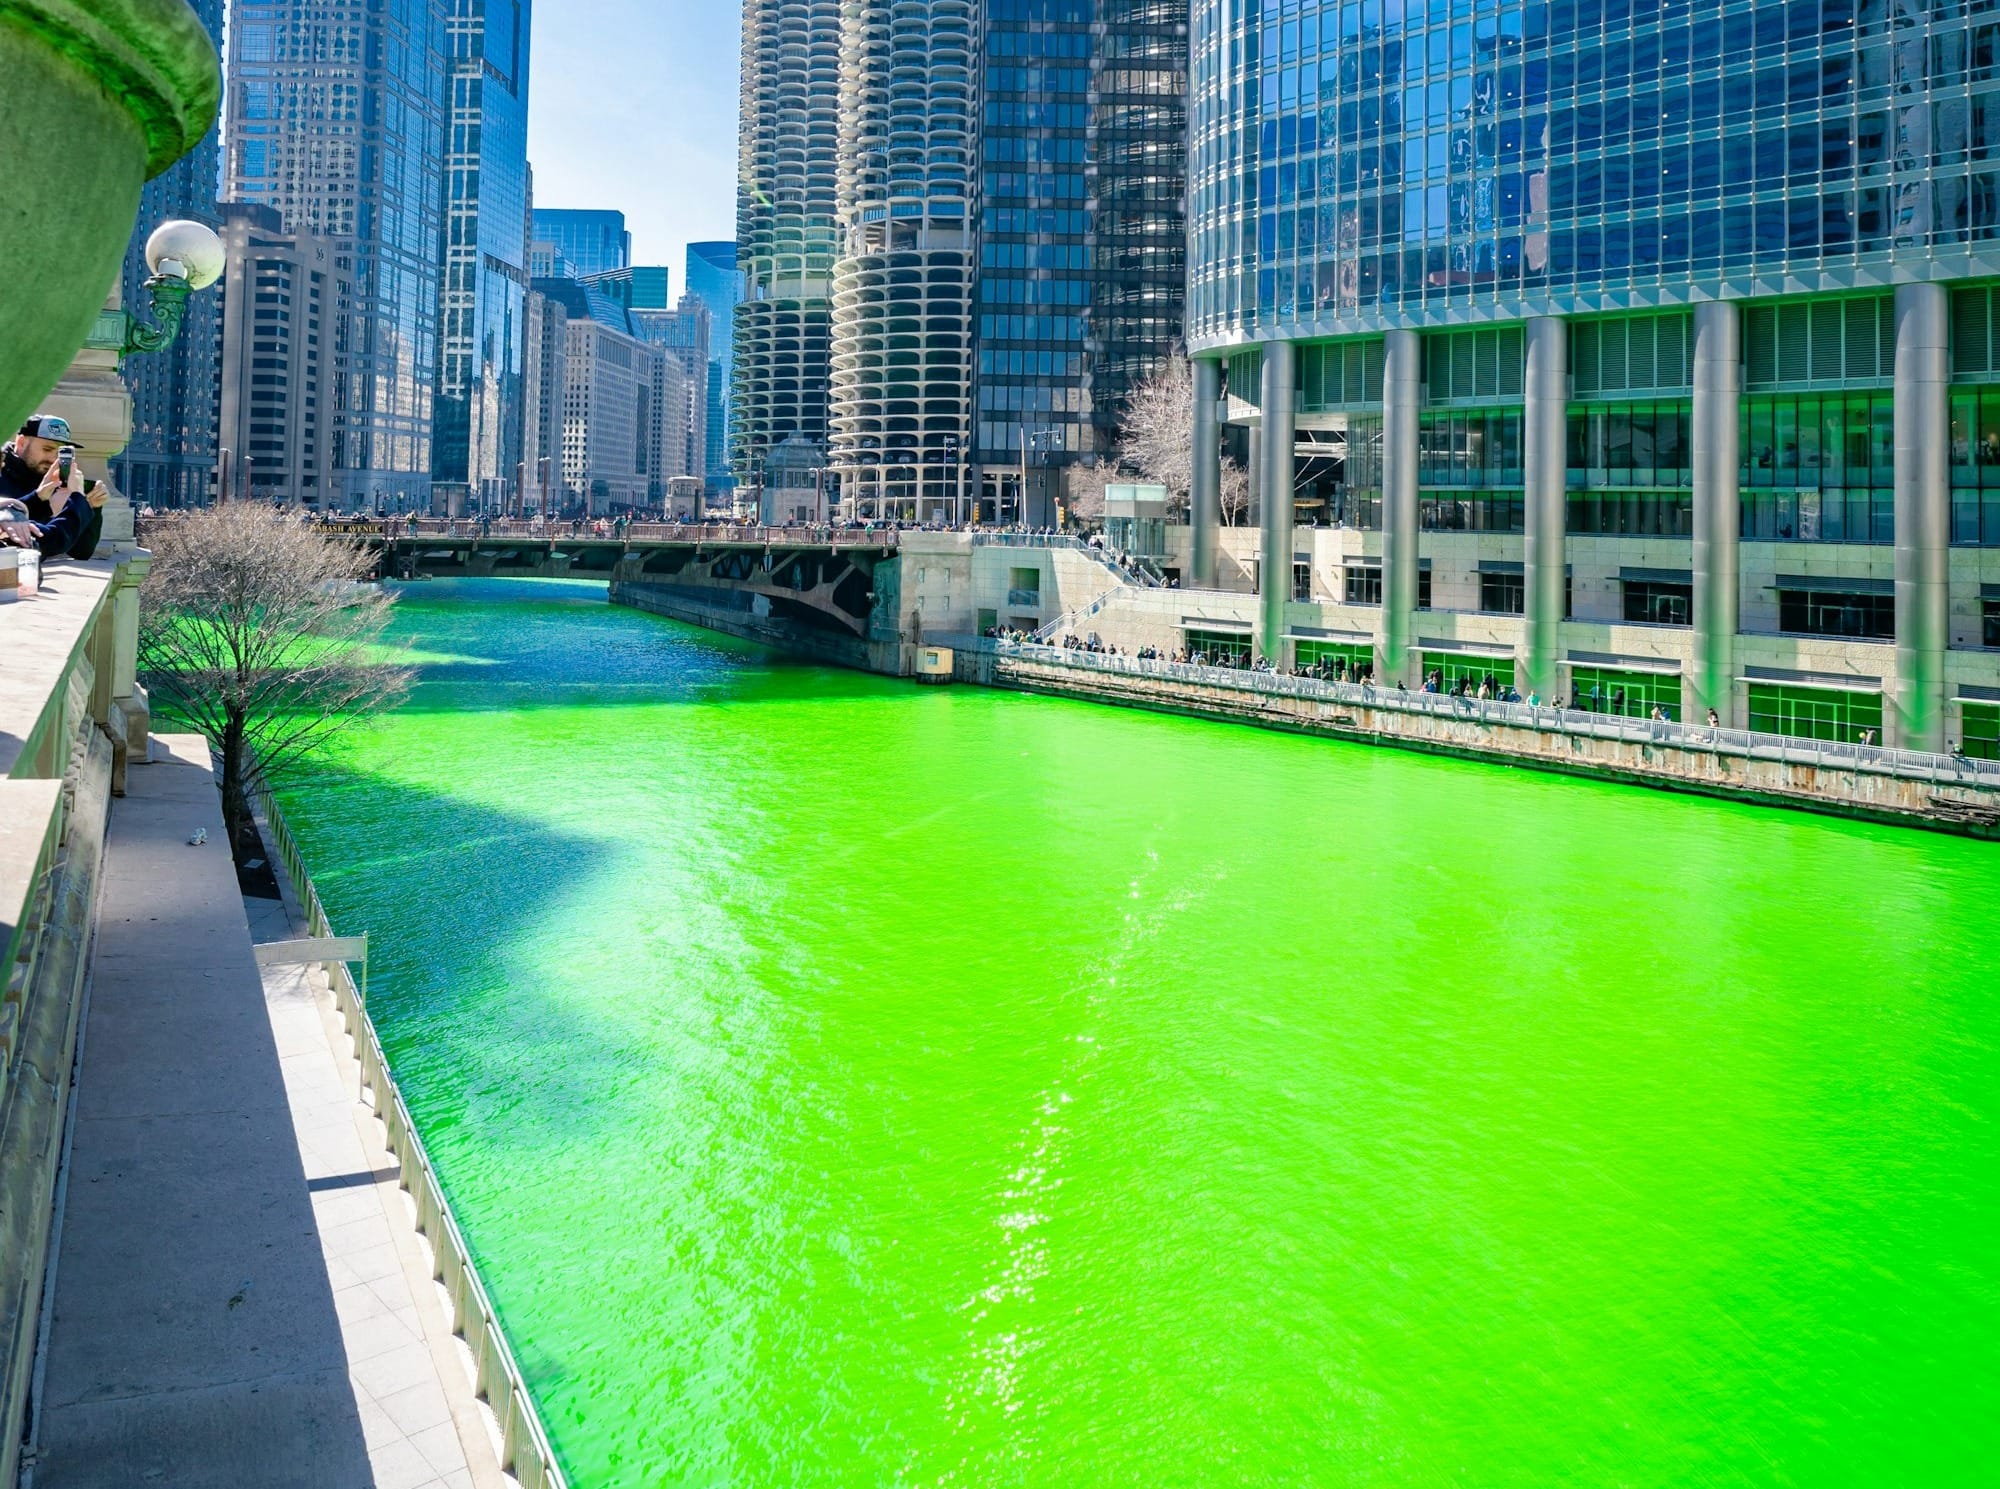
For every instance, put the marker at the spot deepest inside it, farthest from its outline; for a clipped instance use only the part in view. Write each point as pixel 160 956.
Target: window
pixel 1302 581
pixel 1336 654
pixel 1991 613
pixel 1223 646
pixel 1449 667
pixel 1364 585
pixel 1654 603
pixel 1821 612
pixel 1814 713
pixel 1024 586
pixel 1980 736
pixel 1502 594
pixel 1614 690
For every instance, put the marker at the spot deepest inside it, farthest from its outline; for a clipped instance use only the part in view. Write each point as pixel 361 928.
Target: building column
pixel 1718 508
pixel 1402 404
pixel 1545 457
pixel 1205 486
pixel 1923 512
pixel 1276 497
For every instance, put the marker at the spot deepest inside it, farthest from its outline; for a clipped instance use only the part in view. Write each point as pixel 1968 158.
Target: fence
pixel 1740 743
pixel 524 1445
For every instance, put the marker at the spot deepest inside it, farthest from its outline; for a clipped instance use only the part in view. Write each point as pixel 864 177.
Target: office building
pixel 712 276
pixel 336 119
pixel 1082 262
pixel 586 241
pixel 282 295
pixel 1659 349
pixel 786 225
pixel 609 438
pixel 543 401
pixel 477 444
pixel 170 459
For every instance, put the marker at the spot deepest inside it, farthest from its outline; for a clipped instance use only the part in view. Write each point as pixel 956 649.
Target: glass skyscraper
pixel 1657 339
pixel 336 118
pixel 589 240
pixel 477 446
pixel 714 279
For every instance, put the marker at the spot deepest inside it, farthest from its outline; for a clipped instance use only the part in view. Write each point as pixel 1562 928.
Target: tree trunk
pixel 236 819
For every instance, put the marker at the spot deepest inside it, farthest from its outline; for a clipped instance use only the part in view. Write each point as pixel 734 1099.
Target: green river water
pixel 843 1083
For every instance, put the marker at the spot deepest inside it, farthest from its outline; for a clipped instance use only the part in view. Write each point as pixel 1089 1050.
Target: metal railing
pixel 524 1445
pixel 1546 718
pixel 466 529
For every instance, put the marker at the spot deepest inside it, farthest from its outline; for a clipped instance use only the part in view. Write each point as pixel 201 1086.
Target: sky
pixel 632 106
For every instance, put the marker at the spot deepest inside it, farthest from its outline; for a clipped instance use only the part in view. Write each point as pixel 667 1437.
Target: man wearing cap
pixel 28 474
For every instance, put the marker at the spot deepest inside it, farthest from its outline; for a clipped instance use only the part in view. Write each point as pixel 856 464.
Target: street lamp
pixel 184 257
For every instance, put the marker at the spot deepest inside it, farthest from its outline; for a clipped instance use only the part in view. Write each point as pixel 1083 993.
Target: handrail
pixel 524 1444
pixel 1546 718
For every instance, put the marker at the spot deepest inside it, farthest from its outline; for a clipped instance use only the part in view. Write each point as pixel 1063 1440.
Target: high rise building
pixel 546 339
pixel 336 119
pixel 1662 341
pixel 712 275
pixel 1082 269
pixel 786 227
pixel 589 241
pixel 281 296
pixel 902 288
pixel 477 448
pixel 170 461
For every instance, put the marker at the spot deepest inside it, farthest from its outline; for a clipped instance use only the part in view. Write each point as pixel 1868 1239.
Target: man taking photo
pixel 30 473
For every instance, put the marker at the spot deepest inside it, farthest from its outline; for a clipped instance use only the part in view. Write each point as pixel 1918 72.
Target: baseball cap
pixel 50 427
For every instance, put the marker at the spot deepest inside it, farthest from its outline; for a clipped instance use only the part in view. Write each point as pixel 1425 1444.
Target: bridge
pixel 819 575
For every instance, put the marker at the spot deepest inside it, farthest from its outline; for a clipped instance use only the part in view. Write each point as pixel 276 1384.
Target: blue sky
pixel 632 106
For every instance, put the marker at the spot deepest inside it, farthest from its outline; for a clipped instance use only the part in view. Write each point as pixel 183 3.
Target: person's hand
pixel 96 493
pixel 18 534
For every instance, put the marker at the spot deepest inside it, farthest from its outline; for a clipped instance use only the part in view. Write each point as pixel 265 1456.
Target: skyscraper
pixel 170 461
pixel 786 231
pixel 590 241
pixel 1663 337
pixel 485 271
pixel 902 289
pixel 336 118
pixel 712 276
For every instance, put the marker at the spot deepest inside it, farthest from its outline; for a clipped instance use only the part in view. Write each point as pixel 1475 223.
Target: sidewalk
pixel 241 1296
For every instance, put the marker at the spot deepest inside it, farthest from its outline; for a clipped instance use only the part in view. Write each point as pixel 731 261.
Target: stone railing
pixel 71 716
pixel 525 1452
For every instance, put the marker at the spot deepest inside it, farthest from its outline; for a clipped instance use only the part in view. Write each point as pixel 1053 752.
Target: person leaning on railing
pixel 67 515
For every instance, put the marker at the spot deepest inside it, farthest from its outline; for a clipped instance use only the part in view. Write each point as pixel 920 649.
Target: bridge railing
pixel 467 529
pixel 524 1444
pixel 1740 743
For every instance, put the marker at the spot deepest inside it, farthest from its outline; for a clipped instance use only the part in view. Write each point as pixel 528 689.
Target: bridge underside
pixel 822 586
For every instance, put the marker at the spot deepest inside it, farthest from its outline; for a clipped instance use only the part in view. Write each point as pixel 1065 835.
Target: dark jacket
pixel 21 480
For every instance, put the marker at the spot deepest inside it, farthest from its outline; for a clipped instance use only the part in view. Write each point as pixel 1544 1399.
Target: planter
pixel 102 95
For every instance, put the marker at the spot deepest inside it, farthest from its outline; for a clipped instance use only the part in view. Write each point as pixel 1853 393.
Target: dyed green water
pixel 844 1084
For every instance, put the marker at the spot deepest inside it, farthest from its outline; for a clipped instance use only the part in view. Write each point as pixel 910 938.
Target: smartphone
pixel 65 463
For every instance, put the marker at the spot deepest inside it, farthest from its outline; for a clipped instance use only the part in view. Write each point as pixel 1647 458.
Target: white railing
pixel 524 1445
pixel 1740 743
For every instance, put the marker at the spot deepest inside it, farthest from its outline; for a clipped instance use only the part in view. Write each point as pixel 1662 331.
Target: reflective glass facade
pixel 336 118
pixel 1392 161
pixel 588 240
pixel 714 279
pixel 480 318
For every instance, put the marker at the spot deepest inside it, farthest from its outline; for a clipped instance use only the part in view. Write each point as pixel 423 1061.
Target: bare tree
pixel 1157 440
pixel 261 633
pixel 1085 495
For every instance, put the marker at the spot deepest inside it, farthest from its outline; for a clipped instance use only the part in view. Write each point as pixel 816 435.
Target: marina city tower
pixel 1613 347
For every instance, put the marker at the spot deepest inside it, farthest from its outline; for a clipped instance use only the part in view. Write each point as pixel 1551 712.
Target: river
pixel 844 1083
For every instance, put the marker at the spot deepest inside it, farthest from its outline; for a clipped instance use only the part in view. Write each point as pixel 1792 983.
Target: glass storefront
pixel 1981 739
pixel 1449 668
pixel 1630 694
pixel 1814 713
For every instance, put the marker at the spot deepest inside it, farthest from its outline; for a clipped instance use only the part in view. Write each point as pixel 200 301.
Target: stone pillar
pixel 1275 495
pixel 1205 488
pixel 1923 512
pixel 1545 458
pixel 1718 508
pixel 1402 404
pixel 129 718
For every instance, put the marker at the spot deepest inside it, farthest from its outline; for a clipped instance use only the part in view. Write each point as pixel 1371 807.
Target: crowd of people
pixel 46 502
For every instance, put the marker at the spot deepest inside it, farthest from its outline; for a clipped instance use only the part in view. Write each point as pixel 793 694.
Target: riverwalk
pixel 240 1295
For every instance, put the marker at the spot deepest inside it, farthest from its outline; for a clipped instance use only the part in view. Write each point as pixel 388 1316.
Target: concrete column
pixel 1275 503
pixel 1718 508
pixel 1923 512
pixel 1545 460
pixel 1205 488
pixel 1402 402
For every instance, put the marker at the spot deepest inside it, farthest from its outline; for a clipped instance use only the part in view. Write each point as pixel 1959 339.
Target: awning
pixel 1204 623
pixel 1656 576
pixel 1369 561
pixel 1969 694
pixel 1820 684
pixel 1465 648
pixel 1502 566
pixel 1835 584
pixel 1658 666
pixel 1320 633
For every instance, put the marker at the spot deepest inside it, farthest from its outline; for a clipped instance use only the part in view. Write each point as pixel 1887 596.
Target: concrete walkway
pixel 241 1297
